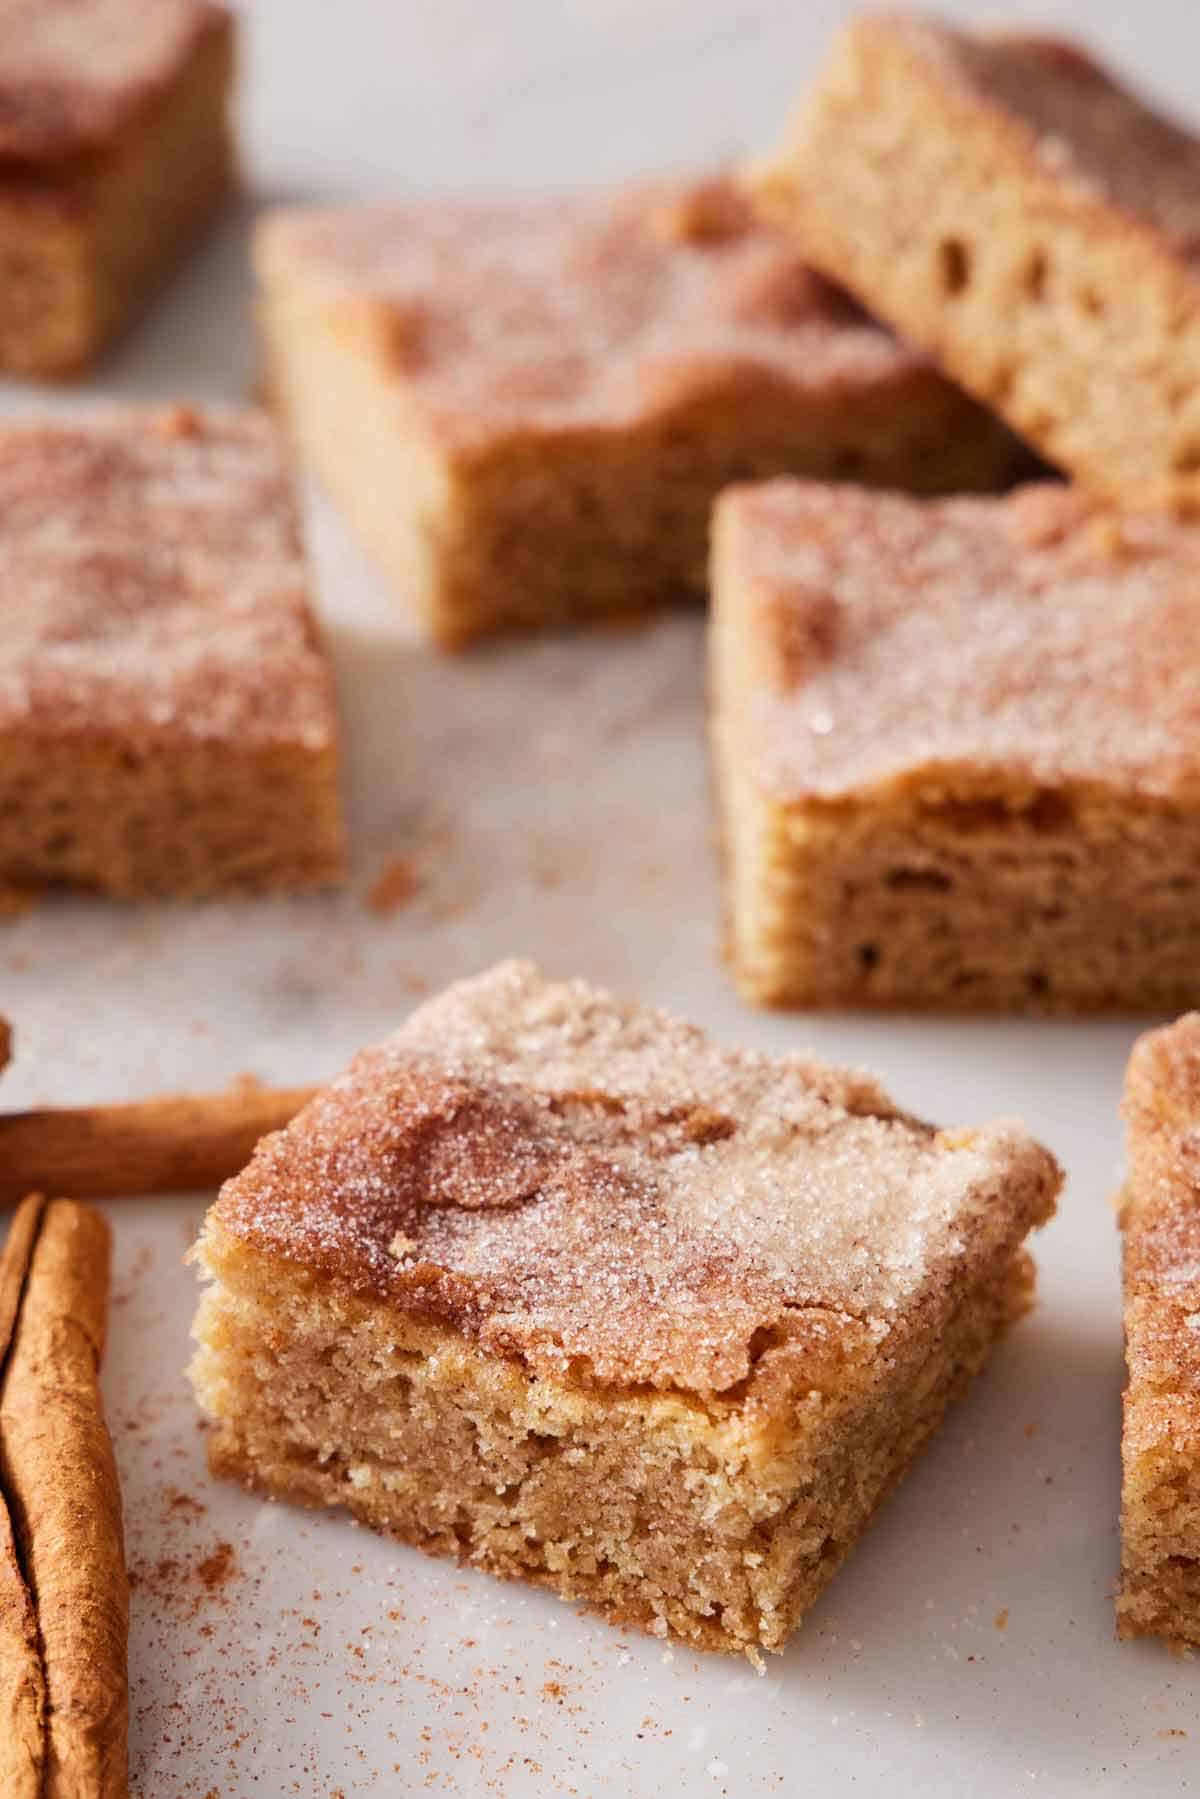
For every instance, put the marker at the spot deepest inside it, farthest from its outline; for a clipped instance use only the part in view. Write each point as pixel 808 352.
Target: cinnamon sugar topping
pixel 157 579
pixel 1019 639
pixel 1077 122
pixel 601 309
pixel 73 71
pixel 602 1191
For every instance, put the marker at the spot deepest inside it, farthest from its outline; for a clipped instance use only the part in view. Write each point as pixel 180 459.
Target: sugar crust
pixel 162 580
pixel 600 1191
pixel 588 310
pixel 1039 637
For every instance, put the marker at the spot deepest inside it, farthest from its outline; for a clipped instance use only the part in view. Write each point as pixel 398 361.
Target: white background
pixel 554 796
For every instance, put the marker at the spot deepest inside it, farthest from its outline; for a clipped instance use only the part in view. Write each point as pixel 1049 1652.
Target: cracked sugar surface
pixel 583 1182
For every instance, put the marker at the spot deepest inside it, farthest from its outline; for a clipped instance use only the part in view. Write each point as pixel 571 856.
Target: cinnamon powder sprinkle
pixel 165 586
pixel 990 639
pixel 395 885
pixel 601 310
pixel 217 1569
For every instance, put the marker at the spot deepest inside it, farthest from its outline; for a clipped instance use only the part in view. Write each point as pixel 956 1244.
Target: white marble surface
pixel 555 797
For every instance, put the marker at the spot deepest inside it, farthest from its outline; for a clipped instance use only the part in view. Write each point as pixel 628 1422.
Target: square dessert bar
pixel 1010 208
pixel 527 408
pixel 1159 1592
pixel 115 151
pixel 554 1285
pixel 166 709
pixel 958 749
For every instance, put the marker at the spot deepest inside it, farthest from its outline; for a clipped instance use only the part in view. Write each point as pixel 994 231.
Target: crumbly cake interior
pixel 564 385
pixel 707 1519
pixel 166 708
pixel 941 781
pixel 1004 203
pixel 1159 1591
pixel 115 151
pixel 652 1323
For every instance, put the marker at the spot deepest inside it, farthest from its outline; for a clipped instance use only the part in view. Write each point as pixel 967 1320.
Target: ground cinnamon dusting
pixel 395 885
pixel 961 633
pixel 217 1569
pixel 595 308
pixel 166 587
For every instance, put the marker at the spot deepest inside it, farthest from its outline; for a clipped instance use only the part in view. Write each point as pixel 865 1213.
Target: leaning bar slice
pixel 958 749
pixel 554 1285
pixel 1002 201
pixel 1159 1593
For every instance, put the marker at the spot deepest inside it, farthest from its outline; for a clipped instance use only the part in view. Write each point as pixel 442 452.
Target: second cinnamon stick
pixel 59 1480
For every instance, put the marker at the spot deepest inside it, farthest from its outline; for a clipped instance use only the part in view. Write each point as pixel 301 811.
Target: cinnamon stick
pixel 177 1143
pixel 59 1479
pixel 22 1683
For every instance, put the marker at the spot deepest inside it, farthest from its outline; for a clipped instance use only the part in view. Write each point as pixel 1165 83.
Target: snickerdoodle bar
pixel 1004 202
pixel 958 749
pixel 527 407
pixel 552 1284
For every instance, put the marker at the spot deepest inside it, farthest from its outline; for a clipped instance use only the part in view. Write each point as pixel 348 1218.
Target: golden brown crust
pixel 599 1190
